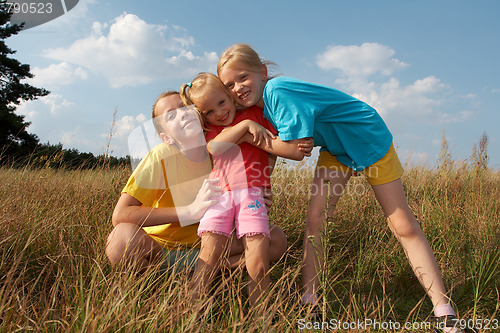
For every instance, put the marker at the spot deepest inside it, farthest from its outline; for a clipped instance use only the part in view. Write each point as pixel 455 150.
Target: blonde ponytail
pixel 185 96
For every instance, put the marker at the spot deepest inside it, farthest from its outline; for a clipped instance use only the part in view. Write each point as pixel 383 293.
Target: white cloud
pixel 123 128
pixel 365 60
pixel 69 138
pixel 445 118
pixel 55 119
pixel 414 158
pixel 55 104
pixel 420 101
pixel 132 52
pixel 126 124
pixel 420 98
pixel 57 75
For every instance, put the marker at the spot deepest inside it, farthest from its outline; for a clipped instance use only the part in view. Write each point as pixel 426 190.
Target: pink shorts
pixel 243 209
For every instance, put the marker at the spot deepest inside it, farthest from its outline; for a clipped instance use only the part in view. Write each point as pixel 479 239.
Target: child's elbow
pixel 117 217
pixel 217 148
pixel 213 150
pixel 296 155
pixel 210 149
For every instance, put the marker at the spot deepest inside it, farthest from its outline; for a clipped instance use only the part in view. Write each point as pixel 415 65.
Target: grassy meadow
pixel 54 275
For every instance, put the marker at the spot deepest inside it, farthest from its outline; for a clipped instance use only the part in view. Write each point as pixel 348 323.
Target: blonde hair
pixel 200 86
pixel 164 94
pixel 242 56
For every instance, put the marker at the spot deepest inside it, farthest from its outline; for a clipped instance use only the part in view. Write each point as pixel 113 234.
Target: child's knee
pixel 125 241
pixel 404 225
pixel 211 257
pixel 117 242
pixel 126 230
pixel 212 248
pixel 257 255
pixel 315 221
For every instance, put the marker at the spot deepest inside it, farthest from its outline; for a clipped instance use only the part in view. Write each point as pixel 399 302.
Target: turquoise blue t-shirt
pixel 348 128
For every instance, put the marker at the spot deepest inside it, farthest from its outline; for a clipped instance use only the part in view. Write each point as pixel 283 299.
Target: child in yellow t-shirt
pixel 168 193
pixel 166 189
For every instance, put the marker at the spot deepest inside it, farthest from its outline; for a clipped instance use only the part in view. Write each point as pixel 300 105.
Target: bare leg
pixel 257 263
pixel 277 247
pixel 209 261
pixel 130 244
pixel 325 182
pixel 405 227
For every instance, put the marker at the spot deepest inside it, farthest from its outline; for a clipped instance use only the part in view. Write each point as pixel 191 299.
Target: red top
pixel 242 165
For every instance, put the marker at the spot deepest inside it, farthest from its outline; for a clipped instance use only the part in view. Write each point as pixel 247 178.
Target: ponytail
pixel 185 96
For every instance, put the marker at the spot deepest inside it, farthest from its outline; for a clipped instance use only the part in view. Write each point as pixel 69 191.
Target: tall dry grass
pixel 54 275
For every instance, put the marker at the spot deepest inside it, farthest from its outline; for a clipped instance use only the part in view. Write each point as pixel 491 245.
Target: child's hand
pixel 206 197
pixel 306 145
pixel 260 133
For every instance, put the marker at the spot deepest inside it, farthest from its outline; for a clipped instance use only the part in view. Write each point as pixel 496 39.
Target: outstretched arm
pixel 294 149
pixel 130 210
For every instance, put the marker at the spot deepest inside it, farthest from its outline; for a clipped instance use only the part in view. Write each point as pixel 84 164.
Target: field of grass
pixel 54 275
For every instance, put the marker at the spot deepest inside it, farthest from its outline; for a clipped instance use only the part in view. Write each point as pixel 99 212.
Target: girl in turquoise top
pixel 353 137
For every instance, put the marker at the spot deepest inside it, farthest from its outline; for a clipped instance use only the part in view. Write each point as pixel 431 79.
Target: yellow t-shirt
pixel 166 178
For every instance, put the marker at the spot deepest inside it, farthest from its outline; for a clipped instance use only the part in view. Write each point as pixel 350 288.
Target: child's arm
pixel 294 149
pixel 130 210
pixel 253 132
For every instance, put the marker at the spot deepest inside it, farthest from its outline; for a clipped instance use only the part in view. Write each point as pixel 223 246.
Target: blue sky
pixel 426 66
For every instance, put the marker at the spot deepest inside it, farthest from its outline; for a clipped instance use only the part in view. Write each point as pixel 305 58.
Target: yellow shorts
pixel 384 171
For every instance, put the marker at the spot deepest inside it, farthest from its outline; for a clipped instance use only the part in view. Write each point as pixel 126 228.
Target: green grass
pixel 54 275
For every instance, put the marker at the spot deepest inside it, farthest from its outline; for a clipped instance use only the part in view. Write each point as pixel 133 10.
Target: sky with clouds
pixel 426 66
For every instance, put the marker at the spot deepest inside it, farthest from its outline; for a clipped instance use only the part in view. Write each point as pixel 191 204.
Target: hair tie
pixel 189 84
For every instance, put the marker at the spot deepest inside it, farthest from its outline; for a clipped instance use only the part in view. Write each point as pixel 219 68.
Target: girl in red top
pixel 239 143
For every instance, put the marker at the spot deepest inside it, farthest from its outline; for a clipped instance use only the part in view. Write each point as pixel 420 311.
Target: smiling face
pixel 216 106
pixel 179 124
pixel 246 87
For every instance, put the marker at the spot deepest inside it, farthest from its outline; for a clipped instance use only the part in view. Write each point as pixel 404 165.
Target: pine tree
pixel 14 138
